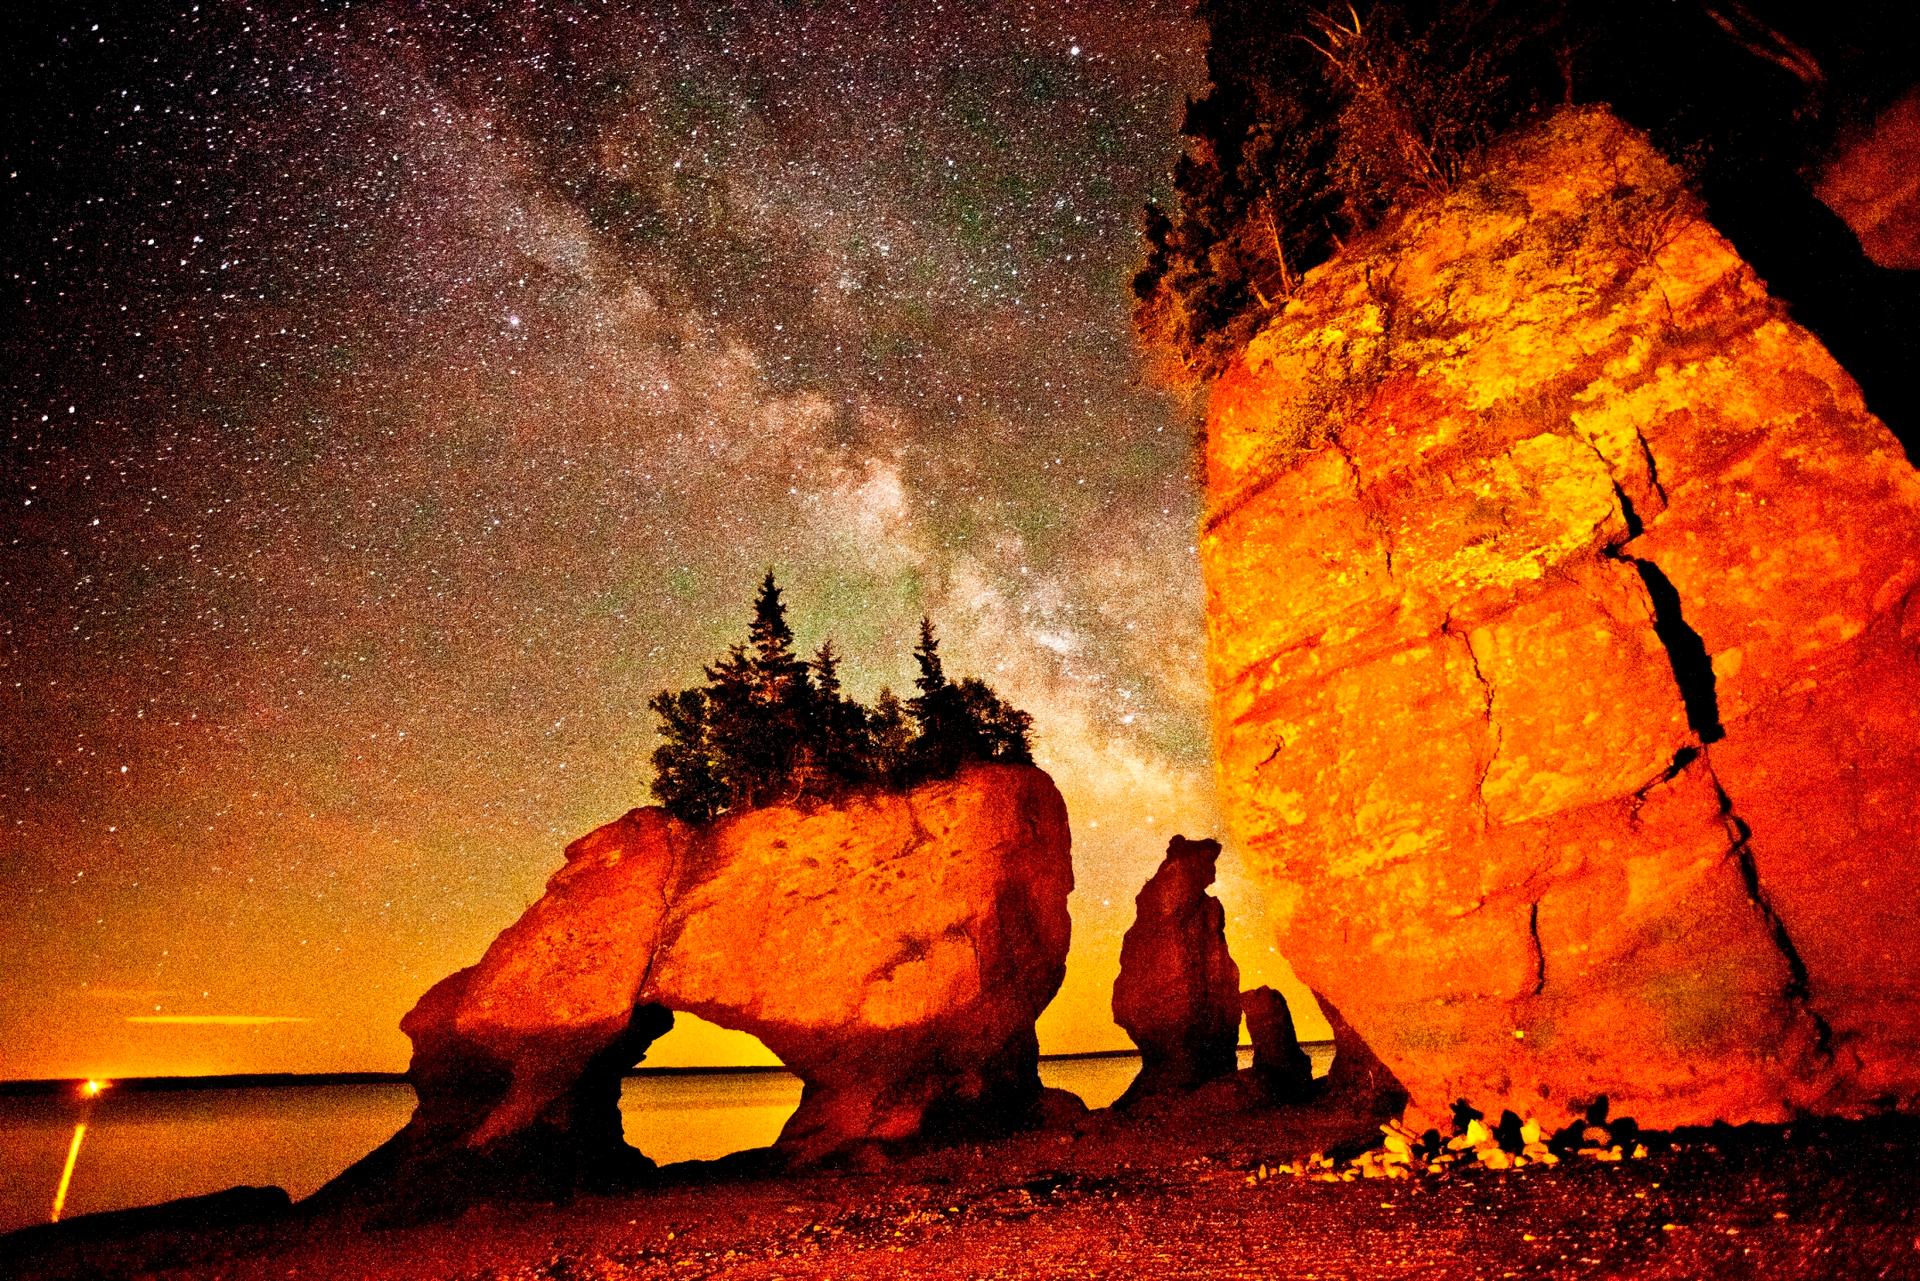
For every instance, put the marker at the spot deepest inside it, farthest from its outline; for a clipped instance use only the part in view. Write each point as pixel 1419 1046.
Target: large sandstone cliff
pixel 1563 631
pixel 894 951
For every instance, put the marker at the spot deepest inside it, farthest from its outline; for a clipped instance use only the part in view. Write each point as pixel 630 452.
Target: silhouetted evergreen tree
pixel 890 739
pixel 686 771
pixel 777 672
pixel 996 729
pixel 939 715
pixel 745 762
pixel 844 747
pixel 784 716
pixel 768 727
pixel 960 722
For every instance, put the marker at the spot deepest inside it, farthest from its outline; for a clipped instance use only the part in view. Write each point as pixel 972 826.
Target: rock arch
pixel 893 951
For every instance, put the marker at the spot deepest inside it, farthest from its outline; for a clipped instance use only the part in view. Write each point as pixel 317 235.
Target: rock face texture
pixel 1178 993
pixel 1565 657
pixel 894 951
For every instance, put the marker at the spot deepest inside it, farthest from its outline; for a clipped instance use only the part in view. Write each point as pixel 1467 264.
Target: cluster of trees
pixel 770 727
pixel 1322 115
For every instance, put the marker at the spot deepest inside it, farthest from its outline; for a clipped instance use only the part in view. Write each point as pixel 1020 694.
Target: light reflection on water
pixel 147 1146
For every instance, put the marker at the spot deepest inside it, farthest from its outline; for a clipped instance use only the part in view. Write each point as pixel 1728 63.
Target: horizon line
pixel 243 1080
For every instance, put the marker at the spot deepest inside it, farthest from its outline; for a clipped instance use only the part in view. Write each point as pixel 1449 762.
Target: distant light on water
pixel 90 1090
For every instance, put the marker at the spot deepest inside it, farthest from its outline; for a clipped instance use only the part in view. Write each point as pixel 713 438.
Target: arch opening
pixel 702 1092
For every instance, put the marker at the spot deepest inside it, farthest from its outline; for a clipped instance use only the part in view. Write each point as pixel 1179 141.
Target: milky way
pixel 397 397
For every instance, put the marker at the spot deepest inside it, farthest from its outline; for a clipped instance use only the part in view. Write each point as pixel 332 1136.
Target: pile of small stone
pixel 1512 1143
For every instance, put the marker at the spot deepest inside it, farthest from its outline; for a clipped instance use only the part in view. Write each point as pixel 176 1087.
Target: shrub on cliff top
pixel 1324 115
pixel 768 727
pixel 1317 122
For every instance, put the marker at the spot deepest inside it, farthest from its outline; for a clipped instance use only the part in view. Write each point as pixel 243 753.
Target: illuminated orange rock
pixel 1178 992
pixel 894 951
pixel 1562 639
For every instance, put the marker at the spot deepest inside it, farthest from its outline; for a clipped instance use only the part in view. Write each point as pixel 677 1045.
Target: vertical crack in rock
pixel 1375 522
pixel 1653 468
pixel 1448 628
pixel 669 884
pixel 1693 674
pixel 1539 952
pixel 1798 990
pixel 1686 652
pixel 1627 513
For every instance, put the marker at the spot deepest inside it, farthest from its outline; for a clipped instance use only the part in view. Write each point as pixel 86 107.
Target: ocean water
pixel 148 1146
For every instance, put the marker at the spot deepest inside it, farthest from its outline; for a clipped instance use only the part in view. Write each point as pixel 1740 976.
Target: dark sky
pixel 398 394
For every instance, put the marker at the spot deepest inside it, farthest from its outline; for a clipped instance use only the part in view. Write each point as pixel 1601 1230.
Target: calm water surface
pixel 143 1147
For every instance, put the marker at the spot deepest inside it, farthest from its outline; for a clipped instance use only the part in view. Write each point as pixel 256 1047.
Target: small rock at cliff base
pixel 1564 691
pixel 1281 1068
pixel 893 950
pixel 1178 993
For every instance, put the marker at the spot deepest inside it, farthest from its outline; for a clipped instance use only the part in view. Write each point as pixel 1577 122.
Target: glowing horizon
pixel 218 1020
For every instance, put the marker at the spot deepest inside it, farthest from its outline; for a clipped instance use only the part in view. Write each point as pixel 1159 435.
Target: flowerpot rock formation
pixel 894 950
pixel 1178 992
pixel 1563 647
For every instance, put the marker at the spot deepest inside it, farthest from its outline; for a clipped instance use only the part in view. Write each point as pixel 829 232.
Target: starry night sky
pixel 398 394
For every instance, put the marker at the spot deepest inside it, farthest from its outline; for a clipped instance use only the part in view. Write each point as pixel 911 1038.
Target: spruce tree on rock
pixel 770 728
pixel 938 712
pixel 843 744
pixel 744 761
pixel 776 669
pixel 784 716
pixel 890 740
pixel 686 771
pixel 996 729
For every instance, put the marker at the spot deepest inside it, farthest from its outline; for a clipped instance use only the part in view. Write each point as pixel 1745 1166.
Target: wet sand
pixel 1148 1200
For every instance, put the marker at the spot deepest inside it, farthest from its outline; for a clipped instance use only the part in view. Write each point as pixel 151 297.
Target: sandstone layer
pixel 1178 991
pixel 894 951
pixel 1562 639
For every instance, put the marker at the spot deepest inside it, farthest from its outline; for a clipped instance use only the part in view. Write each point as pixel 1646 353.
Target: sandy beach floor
pixel 1173 1200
